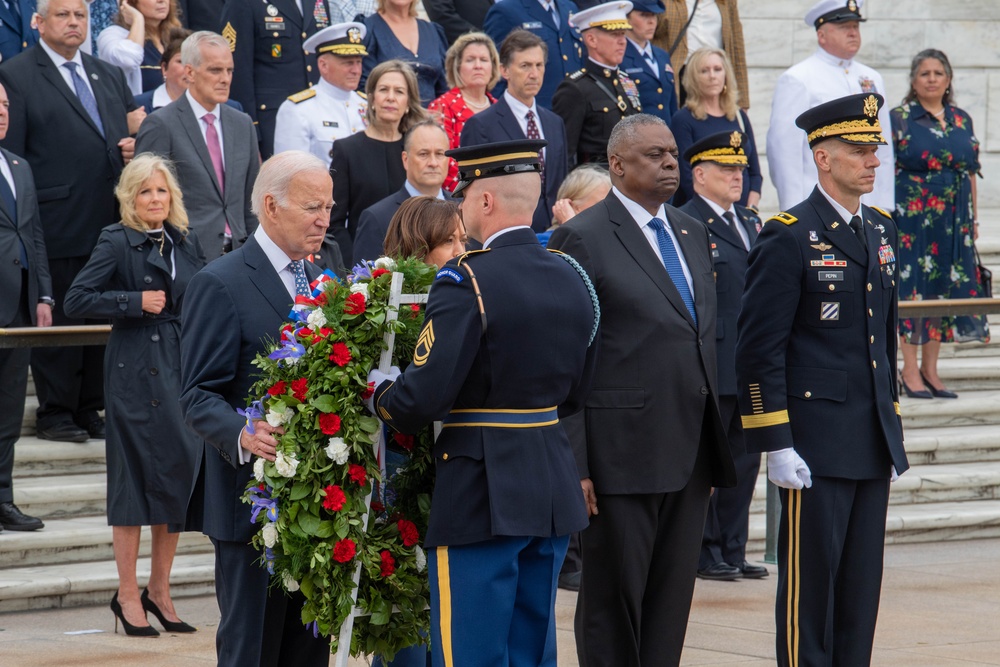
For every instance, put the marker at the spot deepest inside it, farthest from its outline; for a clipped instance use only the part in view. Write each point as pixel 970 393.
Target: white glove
pixel 893 475
pixel 786 469
pixel 378 377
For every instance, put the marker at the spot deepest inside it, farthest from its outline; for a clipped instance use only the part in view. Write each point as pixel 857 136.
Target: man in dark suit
pixel 549 21
pixel 250 290
pixel 653 442
pixel 266 39
pixel 16 33
pixel 69 118
pixel 718 163
pixel 424 148
pixel 518 114
pixel 647 64
pixel 211 145
pixel 458 17
pixel 26 301
pixel 816 373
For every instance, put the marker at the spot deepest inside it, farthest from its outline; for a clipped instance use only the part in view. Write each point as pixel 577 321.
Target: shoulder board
pixel 466 255
pixel 784 218
pixel 363 95
pixel 302 96
pixel 577 74
pixel 881 210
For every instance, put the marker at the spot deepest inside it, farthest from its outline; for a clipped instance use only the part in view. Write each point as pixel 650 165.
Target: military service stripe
pixel 898 411
pixel 794 575
pixel 444 602
pixel 766 419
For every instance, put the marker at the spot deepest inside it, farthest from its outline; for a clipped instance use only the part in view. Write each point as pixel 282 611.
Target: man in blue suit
pixel 564 45
pixel 250 290
pixel 647 64
pixel 16 33
pixel 518 115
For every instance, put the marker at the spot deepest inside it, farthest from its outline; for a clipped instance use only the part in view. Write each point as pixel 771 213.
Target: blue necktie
pixel 301 282
pixel 86 97
pixel 672 262
pixel 554 11
pixel 7 194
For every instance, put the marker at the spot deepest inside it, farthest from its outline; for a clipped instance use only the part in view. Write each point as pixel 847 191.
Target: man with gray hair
pixel 250 290
pixel 651 443
pixel 211 144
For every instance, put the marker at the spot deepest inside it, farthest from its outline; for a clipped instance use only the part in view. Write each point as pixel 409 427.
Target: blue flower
pixel 290 349
pixel 261 500
pixel 252 413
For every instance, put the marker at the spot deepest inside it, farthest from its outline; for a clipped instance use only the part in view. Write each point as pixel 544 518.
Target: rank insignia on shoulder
pixel 577 74
pixel 361 94
pixel 302 96
pixel 229 32
pixel 785 218
pixel 881 210
pixel 449 273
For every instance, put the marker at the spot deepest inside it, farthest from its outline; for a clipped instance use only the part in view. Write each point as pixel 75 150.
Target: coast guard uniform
pixel 650 70
pixel 820 78
pixel 507 493
pixel 816 371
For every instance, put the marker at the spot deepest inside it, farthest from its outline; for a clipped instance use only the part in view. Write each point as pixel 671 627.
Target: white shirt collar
pixel 200 111
pixel 831 59
pixel 844 214
pixel 497 235
pixel 417 193
pixel 600 64
pixel 648 51
pixel 161 97
pixel 333 91
pixel 59 60
pixel 638 213
pixel 519 108
pixel 279 260
pixel 718 209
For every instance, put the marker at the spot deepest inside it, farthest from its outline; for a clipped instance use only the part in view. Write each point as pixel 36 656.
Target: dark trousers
pixel 641 557
pixel 69 381
pixel 830 545
pixel 727 524
pixel 13 388
pixel 258 626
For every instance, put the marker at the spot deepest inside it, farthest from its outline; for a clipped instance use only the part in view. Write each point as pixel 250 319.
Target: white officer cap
pixel 340 39
pixel 834 11
pixel 608 16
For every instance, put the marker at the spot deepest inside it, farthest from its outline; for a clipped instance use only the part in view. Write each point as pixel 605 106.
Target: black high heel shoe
pixel 169 626
pixel 911 393
pixel 938 393
pixel 130 630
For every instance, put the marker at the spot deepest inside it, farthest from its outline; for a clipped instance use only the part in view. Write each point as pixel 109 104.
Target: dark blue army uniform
pixel 269 62
pixel 565 47
pixel 657 92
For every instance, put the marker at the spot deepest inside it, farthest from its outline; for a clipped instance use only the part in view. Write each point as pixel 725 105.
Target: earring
pixel 724 88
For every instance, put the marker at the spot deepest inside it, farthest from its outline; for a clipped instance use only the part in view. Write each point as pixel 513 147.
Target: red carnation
pixel 329 423
pixel 287 328
pixel 344 550
pixel 404 441
pixel 278 388
pixel 340 354
pixel 388 564
pixel 304 332
pixel 321 299
pixel 408 531
pixel 299 388
pixel 367 393
pixel 335 498
pixel 357 474
pixel 377 507
pixel 355 304
pixel 379 272
pixel 414 310
pixel 325 331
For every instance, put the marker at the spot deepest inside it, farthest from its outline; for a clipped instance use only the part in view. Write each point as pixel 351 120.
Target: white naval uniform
pixel 820 78
pixel 311 122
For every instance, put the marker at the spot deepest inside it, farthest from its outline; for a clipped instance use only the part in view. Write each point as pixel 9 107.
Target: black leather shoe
pixel 720 572
pixel 570 581
pixel 750 571
pixel 95 429
pixel 63 432
pixel 938 393
pixel 12 518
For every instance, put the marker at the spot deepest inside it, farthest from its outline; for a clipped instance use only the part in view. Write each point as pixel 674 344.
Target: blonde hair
pixel 134 176
pixel 414 112
pixel 582 181
pixel 695 99
pixel 453 59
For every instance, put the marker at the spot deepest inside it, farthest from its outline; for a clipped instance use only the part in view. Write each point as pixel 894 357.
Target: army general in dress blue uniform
pixel 816 372
pixel 647 64
pixel 508 492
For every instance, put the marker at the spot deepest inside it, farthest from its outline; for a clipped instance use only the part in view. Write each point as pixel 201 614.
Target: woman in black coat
pixel 136 276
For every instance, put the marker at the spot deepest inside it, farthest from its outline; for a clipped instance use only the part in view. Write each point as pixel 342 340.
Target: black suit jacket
pixel 498 123
pixel 729 257
pixel 656 373
pixel 242 290
pixel 27 228
pixel 75 167
pixel 458 17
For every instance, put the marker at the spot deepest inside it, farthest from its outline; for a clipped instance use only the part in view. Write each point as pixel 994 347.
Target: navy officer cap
pixel 834 11
pixel 726 148
pixel 651 6
pixel 497 159
pixel 852 119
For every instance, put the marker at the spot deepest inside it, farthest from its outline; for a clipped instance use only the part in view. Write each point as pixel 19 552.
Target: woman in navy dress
pixel 135 42
pixel 395 33
pixel 937 157
pixel 710 108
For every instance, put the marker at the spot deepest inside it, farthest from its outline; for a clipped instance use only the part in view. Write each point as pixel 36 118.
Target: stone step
pixel 79 584
pixel 34 457
pixel 75 540
pixel 62 496
pixel 972 408
pixel 965 373
pixel 952 445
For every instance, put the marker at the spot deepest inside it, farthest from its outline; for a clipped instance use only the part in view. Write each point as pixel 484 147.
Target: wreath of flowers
pixel 309 503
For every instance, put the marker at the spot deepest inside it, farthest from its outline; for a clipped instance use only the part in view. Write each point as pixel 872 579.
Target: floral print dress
pixel 934 170
pixel 453 113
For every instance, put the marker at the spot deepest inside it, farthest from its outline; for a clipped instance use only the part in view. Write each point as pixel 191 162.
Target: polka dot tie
pixel 534 134
pixel 301 282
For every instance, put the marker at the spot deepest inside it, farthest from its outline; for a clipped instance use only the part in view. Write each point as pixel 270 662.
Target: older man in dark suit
pixel 69 118
pixel 26 300
pixel 250 290
pixel 654 442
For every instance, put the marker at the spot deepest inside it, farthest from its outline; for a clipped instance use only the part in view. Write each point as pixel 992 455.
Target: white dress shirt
pixel 199 113
pixel 643 218
pixel 521 114
pixel 413 192
pixel 67 76
pixel 5 170
pixel 705 30
pixel 844 214
pixel 495 236
pixel 742 233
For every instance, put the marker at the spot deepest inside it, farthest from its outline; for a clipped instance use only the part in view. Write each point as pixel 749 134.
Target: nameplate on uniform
pixel 634 70
pixel 449 273
pixel 532 25
pixel 274 23
pixel 826 276
pixel 829 310
pixel 886 255
pixel 330 123
pixel 828 260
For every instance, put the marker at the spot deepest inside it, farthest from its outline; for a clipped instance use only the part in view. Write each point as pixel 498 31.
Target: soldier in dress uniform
pixel 647 64
pixel 270 63
pixel 829 73
pixel 816 372
pixel 507 493
pixel 592 100
pixel 311 119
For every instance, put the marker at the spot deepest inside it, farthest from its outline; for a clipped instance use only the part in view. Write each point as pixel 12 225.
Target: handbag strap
pixel 684 30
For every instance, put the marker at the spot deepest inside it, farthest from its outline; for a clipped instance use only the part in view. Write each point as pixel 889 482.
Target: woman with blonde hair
pixel 711 108
pixel 472 67
pixel 584 186
pixel 136 40
pixel 136 276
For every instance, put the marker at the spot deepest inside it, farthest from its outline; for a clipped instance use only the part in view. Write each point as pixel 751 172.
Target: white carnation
pixel 270 534
pixel 337 451
pixel 421 558
pixel 276 419
pixel 258 470
pixel 286 465
pixel 387 263
pixel 360 288
pixel 316 319
pixel 289 582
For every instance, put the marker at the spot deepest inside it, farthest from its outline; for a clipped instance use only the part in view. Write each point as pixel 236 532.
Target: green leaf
pixel 300 490
pixel 309 523
pixel 324 403
pixel 325 529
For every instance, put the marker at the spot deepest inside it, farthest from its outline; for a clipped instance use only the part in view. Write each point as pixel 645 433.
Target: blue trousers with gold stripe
pixel 830 546
pixel 493 602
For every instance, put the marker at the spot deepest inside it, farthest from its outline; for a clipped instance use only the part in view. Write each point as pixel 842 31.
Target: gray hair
pixel 191 48
pixel 276 175
pixel 624 132
pixel 42 7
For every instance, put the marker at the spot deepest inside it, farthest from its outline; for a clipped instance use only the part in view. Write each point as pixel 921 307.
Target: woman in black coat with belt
pixel 136 276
